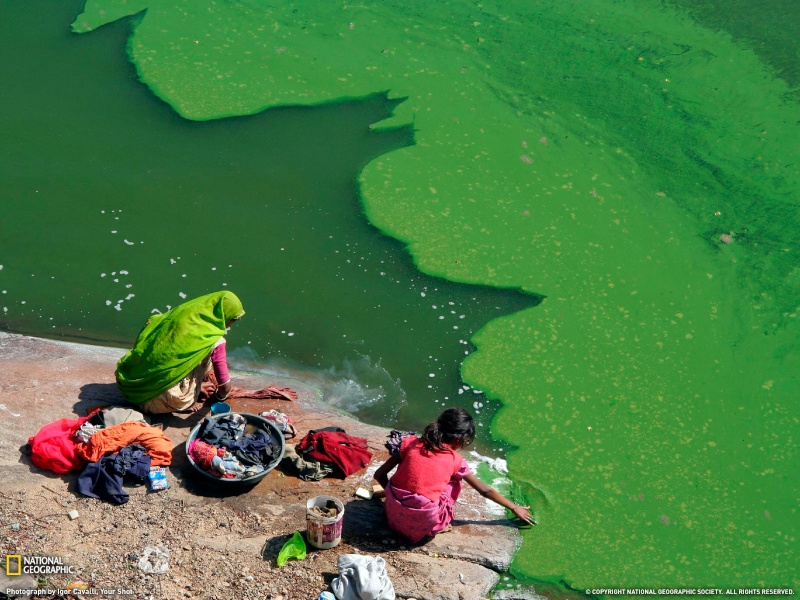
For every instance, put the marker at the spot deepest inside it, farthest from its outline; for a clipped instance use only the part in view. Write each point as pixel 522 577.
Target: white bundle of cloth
pixel 362 578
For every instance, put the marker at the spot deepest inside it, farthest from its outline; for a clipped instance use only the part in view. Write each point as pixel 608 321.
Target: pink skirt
pixel 415 516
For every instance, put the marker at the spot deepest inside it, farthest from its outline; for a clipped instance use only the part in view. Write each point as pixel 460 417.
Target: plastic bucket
pixel 324 532
pixel 219 408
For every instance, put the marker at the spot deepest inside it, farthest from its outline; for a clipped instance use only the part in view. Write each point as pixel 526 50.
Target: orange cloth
pixel 114 438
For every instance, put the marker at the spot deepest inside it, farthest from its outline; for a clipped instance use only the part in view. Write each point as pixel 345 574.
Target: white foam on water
pixel 359 386
pixel 501 482
pixel 496 464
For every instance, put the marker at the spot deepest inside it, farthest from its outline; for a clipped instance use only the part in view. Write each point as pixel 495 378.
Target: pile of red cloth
pixel 54 448
pixel 347 452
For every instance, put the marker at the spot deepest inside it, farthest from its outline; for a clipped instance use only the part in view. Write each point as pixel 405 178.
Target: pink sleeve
pixel 219 360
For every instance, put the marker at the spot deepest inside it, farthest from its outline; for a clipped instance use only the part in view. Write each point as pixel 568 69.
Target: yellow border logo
pixel 8 564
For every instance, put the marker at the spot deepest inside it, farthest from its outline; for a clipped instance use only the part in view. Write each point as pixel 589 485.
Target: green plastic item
pixel 295 547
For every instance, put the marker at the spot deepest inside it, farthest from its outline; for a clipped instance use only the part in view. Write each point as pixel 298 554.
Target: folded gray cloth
pixel 306 469
pixel 362 578
pixel 121 414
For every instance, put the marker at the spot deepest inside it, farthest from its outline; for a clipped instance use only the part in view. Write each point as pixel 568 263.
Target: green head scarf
pixel 170 345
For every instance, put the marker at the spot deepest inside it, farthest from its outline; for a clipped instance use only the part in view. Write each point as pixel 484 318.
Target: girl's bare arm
pixel 484 490
pixel 382 474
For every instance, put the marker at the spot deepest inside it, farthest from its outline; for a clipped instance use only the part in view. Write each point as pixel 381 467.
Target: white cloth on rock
pixel 362 578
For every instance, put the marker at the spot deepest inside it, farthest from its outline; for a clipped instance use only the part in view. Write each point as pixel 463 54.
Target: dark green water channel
pixel 115 205
pixel 634 164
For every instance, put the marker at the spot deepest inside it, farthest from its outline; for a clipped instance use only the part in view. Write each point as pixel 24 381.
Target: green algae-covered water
pixel 632 164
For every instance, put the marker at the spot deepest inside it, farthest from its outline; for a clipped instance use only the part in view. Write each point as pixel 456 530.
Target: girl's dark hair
pixel 453 425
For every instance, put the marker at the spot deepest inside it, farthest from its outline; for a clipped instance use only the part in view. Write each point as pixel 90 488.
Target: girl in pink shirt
pixel 421 495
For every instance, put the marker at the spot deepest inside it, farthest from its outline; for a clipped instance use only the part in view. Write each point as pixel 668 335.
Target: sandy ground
pixel 221 544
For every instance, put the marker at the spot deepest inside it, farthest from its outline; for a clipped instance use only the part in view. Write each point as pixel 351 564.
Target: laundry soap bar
pixel 364 493
pixel 158 478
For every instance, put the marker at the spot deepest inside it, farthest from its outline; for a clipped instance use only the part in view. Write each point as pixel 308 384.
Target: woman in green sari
pixel 174 352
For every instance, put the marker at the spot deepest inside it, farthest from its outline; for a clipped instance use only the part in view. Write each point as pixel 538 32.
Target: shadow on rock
pixel 195 484
pixel 365 527
pixel 94 395
pixel 25 459
pixel 180 420
pixel 273 546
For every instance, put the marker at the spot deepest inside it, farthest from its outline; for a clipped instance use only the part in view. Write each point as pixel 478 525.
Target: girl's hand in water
pixel 522 513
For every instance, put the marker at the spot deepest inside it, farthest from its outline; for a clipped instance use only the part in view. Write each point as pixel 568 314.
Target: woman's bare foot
pixel 195 407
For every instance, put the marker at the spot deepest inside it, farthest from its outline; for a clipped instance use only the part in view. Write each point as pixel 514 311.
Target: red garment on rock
pixel 347 452
pixel 54 448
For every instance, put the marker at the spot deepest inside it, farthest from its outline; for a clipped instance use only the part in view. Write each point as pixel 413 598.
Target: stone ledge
pixel 46 380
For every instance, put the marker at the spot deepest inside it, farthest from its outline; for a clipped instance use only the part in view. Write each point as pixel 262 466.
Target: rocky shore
pixel 221 545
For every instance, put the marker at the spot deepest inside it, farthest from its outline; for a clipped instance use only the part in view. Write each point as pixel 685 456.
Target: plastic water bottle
pixel 326 596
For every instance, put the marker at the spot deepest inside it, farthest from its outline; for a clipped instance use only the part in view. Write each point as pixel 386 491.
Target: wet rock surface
pixel 222 543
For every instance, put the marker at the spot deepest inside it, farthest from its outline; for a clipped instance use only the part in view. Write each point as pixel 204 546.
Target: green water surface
pixel 116 206
pixel 634 163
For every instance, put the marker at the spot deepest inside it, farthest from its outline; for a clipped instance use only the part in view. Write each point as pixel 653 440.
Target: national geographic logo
pixel 16 564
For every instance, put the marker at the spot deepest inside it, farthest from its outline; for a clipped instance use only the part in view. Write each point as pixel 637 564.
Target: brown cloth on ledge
pixel 272 391
pixel 269 392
